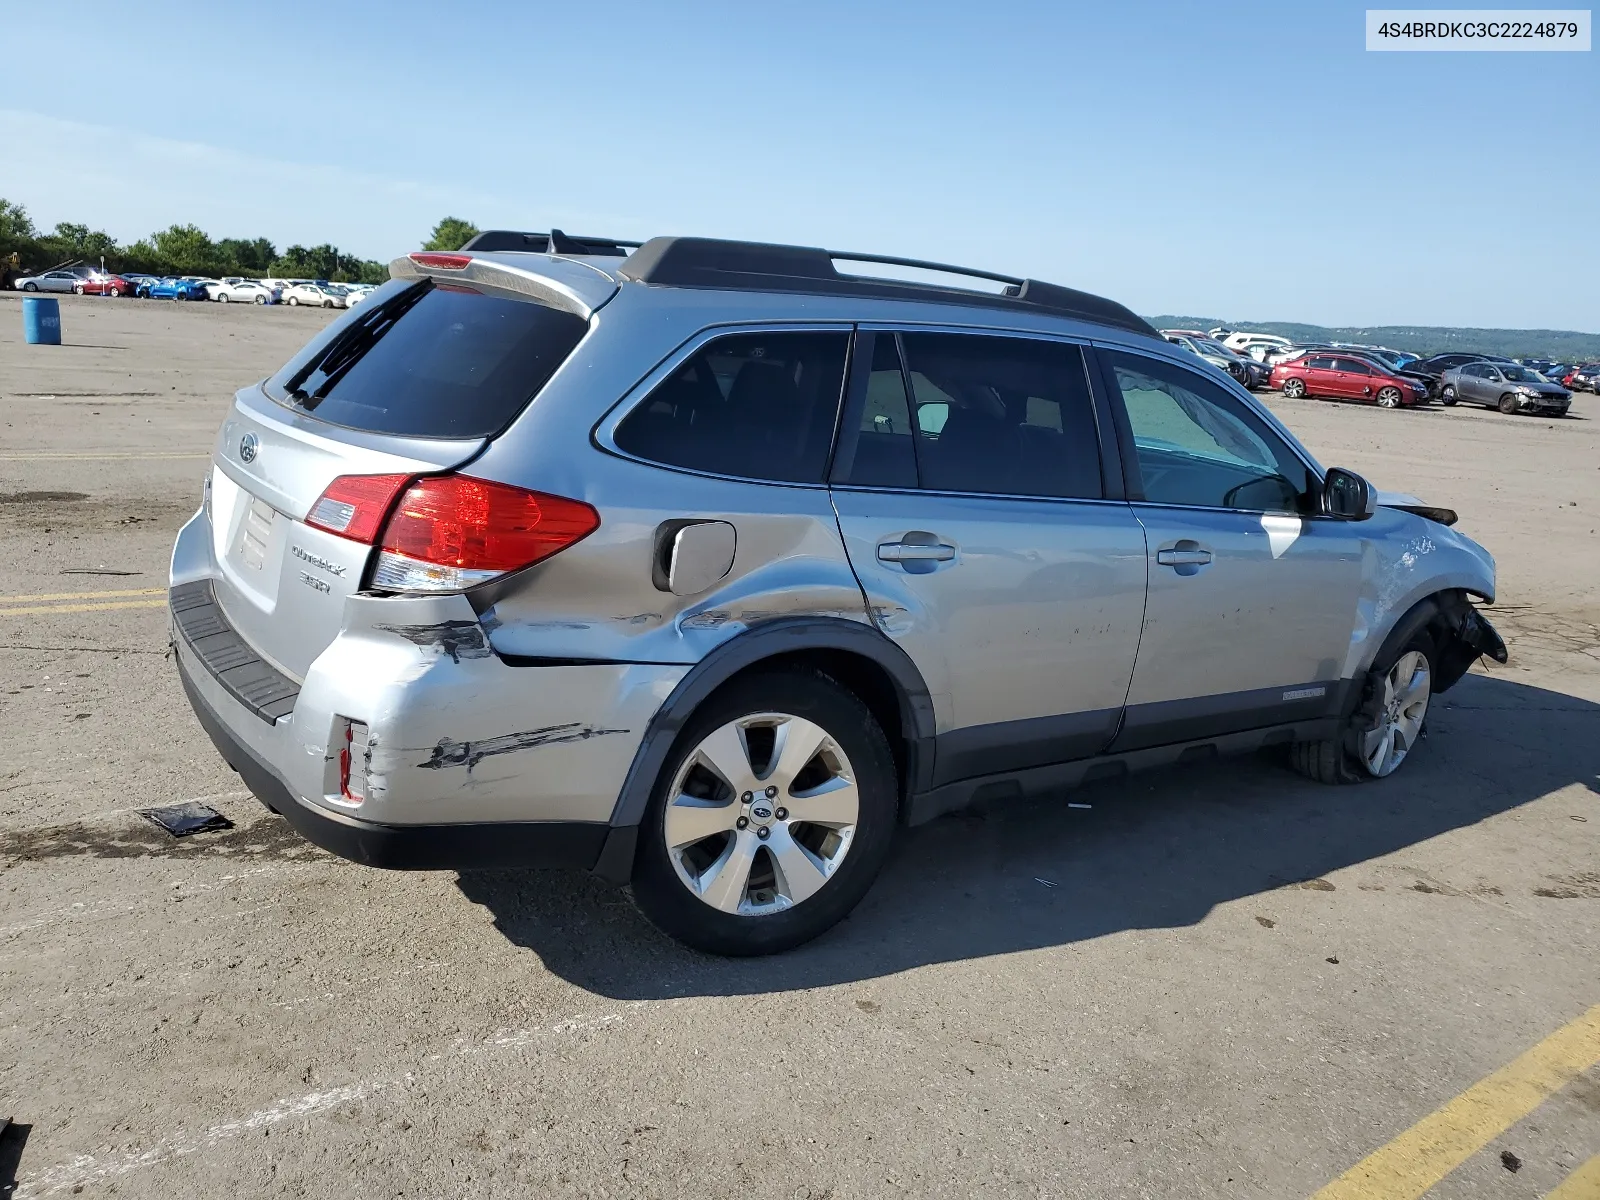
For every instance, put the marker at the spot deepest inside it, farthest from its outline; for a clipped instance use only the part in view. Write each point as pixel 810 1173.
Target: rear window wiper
pixel 344 351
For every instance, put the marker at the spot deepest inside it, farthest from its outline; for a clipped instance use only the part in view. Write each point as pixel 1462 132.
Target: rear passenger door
pixel 1252 597
pixel 989 541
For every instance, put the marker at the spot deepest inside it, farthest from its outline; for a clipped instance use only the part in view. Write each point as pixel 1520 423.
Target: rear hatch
pixel 415 381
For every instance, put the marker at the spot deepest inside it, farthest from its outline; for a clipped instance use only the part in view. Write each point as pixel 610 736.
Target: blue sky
pixel 1242 160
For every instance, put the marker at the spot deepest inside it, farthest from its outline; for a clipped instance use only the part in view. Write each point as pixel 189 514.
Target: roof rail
pixel 554 242
pixel 715 263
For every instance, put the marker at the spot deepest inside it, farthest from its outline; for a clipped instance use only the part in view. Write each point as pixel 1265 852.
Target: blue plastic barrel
pixel 41 321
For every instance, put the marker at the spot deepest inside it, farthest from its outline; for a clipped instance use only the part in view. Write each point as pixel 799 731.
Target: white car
pixel 310 293
pixel 244 291
pixel 1243 341
pixel 357 292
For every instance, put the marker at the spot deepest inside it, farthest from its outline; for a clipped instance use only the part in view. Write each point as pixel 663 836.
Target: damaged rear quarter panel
pixel 597 599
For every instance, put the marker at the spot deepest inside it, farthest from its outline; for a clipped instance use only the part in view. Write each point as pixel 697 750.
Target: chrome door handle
pixel 1183 558
pixel 915 552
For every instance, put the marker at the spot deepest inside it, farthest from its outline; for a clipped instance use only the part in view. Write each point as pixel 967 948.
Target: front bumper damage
pixel 1466 636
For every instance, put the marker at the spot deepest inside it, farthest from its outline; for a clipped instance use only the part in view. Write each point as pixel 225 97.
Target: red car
pixel 1346 377
pixel 92 282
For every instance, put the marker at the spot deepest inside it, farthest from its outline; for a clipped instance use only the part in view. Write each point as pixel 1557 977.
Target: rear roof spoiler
pixel 554 242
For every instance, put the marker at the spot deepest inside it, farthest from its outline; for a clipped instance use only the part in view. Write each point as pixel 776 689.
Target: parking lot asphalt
pixel 1220 980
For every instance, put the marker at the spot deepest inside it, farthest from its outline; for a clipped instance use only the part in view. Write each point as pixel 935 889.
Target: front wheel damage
pixel 1427 653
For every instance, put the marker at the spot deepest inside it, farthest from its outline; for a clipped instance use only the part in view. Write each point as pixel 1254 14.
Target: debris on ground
pixel 181 820
pixel 1510 1161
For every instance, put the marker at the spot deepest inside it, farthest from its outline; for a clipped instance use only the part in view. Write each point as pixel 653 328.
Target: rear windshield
pixel 419 360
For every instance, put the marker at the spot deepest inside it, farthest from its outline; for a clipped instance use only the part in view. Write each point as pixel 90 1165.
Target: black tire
pixel 222 297
pixel 293 302
pixel 1294 389
pixel 1508 405
pixel 77 289
pixel 327 304
pixel 1336 760
pixel 261 299
pixel 30 287
pixel 1389 397
pixel 1447 395
pixel 669 904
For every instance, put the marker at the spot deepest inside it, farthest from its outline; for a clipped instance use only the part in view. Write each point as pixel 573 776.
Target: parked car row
pixel 1251 372
pixel 1390 378
pixel 235 289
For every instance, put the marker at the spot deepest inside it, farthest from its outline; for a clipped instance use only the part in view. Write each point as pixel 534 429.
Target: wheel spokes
pixel 1380 743
pixel 800 873
pixel 795 743
pixel 835 802
pixel 722 884
pixel 690 819
pixel 725 755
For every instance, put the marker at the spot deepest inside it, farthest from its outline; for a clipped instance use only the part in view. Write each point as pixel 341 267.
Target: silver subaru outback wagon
pixel 707 565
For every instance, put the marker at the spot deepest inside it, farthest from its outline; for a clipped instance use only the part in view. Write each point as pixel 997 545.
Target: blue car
pixel 174 289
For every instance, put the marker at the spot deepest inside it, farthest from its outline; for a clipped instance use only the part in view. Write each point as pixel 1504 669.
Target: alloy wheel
pixel 1389 397
pixel 761 814
pixel 1294 389
pixel 1406 691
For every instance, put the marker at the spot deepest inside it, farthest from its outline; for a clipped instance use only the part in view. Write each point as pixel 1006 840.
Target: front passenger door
pixel 1252 596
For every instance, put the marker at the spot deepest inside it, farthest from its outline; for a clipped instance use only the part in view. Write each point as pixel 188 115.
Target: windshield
pixel 1519 374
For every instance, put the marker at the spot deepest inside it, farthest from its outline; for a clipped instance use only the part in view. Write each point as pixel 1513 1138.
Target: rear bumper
pixel 403 847
pixel 470 761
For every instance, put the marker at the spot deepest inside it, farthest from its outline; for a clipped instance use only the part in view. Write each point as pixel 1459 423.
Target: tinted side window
pixel 884 455
pixel 1353 366
pixel 758 405
pixel 1319 364
pixel 1008 416
pixel 1199 446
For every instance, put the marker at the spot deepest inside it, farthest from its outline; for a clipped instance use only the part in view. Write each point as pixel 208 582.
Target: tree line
pixel 177 250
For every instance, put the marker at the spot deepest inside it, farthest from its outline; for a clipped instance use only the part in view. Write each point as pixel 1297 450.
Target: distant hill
pixel 1563 345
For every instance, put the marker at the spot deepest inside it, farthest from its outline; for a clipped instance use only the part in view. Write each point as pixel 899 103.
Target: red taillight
pixel 353 506
pixel 452 531
pixel 442 262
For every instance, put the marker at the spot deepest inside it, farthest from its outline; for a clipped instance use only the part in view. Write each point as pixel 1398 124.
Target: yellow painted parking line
pixel 1582 1184
pixel 158 591
pixel 1440 1142
pixel 42 457
pixel 80 608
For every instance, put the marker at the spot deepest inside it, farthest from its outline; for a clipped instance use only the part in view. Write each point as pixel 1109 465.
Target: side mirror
pixel 1348 496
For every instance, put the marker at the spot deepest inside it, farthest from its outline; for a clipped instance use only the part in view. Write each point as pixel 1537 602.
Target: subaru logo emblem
pixel 761 814
pixel 249 444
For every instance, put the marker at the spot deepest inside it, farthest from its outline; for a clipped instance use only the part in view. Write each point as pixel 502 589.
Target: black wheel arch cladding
pixel 771 642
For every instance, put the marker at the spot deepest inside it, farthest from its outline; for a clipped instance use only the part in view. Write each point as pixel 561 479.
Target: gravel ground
pixel 1216 981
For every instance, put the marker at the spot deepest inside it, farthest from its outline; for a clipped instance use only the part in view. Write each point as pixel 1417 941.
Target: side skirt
pixel 925 806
